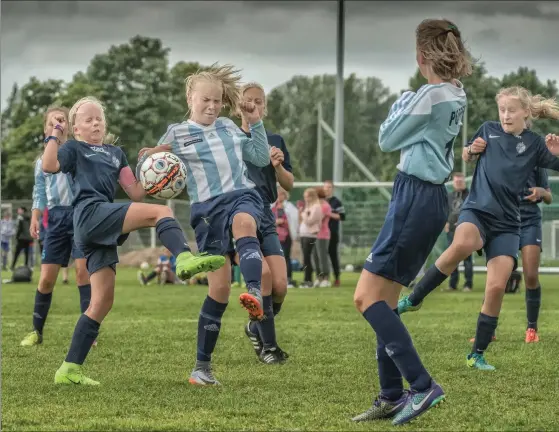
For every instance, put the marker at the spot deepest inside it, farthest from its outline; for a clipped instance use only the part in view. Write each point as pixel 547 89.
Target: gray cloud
pixel 272 41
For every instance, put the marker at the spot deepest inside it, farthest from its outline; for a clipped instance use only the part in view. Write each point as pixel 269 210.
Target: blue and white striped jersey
pixel 423 126
pixel 51 190
pixel 214 155
pixel 7 230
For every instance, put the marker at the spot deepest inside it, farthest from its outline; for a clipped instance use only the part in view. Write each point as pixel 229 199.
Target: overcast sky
pixel 273 41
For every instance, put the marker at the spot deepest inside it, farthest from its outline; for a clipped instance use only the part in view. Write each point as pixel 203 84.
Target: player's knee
pixel 279 285
pixel 531 279
pixel 166 211
pixel 46 285
pixel 100 306
pixel 462 248
pixel 82 276
pixel 244 225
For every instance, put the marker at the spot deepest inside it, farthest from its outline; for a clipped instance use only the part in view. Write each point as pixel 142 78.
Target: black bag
pixel 22 274
pixel 513 284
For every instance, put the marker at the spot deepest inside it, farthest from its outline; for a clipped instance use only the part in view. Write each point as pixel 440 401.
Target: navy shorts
pixel 416 217
pixel 5 246
pixel 497 241
pixel 58 244
pixel 531 234
pixel 98 228
pixel 268 235
pixel 212 219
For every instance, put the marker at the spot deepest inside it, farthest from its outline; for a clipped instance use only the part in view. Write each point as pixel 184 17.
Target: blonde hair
pixel 109 137
pixel 225 75
pixel 251 85
pixel 440 43
pixel 56 108
pixel 537 106
pixel 313 194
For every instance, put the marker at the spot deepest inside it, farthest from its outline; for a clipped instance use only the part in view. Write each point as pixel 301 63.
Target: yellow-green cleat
pixel 32 339
pixel 71 373
pixel 189 265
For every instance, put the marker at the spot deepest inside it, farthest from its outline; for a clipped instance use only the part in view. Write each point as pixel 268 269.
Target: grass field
pixel 147 349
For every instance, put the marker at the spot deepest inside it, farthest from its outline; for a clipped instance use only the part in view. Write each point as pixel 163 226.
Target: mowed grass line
pixel 147 348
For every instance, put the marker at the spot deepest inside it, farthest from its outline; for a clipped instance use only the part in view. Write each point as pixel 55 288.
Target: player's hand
pixel 34 228
pixel 276 156
pixel 446 227
pixel 250 112
pixel 147 151
pixel 478 146
pixel 536 195
pixel 552 143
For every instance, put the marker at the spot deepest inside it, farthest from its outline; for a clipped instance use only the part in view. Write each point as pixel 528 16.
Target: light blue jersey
pixel 214 155
pixel 423 126
pixel 51 190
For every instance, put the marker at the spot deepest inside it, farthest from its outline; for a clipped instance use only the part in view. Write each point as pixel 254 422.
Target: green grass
pixel 147 349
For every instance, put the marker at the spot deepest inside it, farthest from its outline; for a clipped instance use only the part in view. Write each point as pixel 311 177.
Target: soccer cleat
pixel 71 373
pixel 282 353
pixel 141 278
pixel 203 377
pixel 32 339
pixel 477 361
pixel 417 403
pixel 271 356
pixel 382 409
pixel 531 336
pixel 254 339
pixel 252 302
pixel 337 283
pixel 189 265
pixel 493 339
pixel 404 305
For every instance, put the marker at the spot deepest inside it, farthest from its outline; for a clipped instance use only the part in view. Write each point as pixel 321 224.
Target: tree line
pixel 143 94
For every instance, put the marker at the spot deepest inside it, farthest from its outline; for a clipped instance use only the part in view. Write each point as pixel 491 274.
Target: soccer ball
pixel 144 266
pixel 163 175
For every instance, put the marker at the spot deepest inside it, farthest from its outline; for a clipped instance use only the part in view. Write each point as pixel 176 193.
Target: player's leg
pixel 334 255
pixel 395 259
pixel 467 239
pixel 209 324
pixel 455 275
pixel 101 265
pixel 468 273
pixel 65 275
pixel 5 251
pixel 530 268
pixel 323 262
pixel 501 252
pixel 43 299
pixel 141 215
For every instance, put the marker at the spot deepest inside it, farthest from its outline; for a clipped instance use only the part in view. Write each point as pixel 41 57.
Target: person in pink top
pixel 321 258
pixel 310 214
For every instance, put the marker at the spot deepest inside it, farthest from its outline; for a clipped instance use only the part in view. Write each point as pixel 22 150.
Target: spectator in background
pixel 287 220
pixel 165 271
pixel 6 232
pixel 23 237
pixel 337 216
pixel 456 199
pixel 320 252
pixel 310 216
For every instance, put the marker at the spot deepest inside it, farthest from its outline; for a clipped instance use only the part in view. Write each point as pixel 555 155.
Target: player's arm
pixel 39 199
pixel 406 122
pixel 128 182
pixel 338 211
pixel 255 148
pixel 548 152
pixel 475 147
pixel 281 162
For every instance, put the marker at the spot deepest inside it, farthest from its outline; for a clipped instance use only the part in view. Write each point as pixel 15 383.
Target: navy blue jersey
pixel 265 178
pixel 503 169
pixel 95 170
pixel 530 210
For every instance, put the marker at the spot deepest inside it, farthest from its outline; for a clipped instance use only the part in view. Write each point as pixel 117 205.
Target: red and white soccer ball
pixel 163 175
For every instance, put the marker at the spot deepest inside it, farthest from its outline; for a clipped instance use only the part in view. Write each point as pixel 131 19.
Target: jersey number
pixel 449 146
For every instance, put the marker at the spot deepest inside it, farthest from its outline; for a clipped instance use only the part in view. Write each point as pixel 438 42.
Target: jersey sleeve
pixel 67 157
pixel 286 158
pixel 255 148
pixel 123 159
pixel 407 120
pixel 39 188
pixel 479 134
pixel 338 208
pixel 546 159
pixel 542 180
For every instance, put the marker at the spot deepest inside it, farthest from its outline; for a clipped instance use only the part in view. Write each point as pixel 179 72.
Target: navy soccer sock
pixel 533 302
pixel 171 235
pixel 391 383
pixel 85 296
pixel 209 325
pixel 250 261
pixel 85 333
pixel 267 327
pixel 431 280
pixel 486 326
pixel 277 307
pixel 41 310
pixel 398 344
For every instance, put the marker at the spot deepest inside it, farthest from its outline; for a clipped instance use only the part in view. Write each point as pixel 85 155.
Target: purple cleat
pixel 419 402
